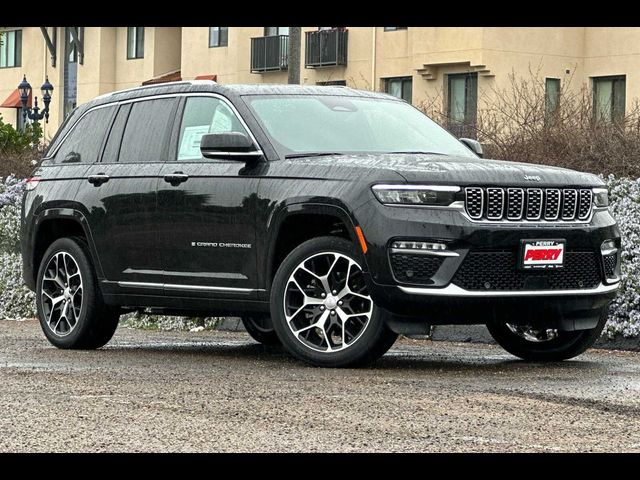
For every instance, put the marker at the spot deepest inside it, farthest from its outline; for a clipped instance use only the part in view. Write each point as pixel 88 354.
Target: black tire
pixel 261 329
pixel 566 345
pixel 95 323
pixel 371 343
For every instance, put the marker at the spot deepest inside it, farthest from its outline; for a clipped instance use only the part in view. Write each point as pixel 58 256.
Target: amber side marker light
pixel 363 242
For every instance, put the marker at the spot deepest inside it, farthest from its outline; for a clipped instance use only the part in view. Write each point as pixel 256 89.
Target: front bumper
pixel 441 301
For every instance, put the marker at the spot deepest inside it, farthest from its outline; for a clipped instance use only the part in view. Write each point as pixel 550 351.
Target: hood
pixel 443 169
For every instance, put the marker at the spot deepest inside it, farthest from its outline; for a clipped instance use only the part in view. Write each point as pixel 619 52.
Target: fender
pixel 67 213
pixel 286 211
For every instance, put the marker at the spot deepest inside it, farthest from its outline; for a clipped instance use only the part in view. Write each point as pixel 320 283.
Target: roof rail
pixel 155 85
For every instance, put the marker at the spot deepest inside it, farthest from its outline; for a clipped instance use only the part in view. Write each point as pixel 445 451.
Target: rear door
pixel 120 194
pixel 207 221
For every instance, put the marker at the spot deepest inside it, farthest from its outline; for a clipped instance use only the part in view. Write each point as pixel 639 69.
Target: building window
pixel 394 29
pixel 21 120
pixel 551 98
pixel 609 98
pixel 135 42
pixel 400 87
pixel 218 36
pixel 462 103
pixel 10 48
pixel 271 31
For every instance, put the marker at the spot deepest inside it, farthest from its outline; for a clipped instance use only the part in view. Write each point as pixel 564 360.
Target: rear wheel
pixel 70 308
pixel 537 344
pixel 261 329
pixel 321 307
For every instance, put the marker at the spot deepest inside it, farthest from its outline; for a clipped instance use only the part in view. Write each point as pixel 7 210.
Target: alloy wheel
pixel 62 294
pixel 327 305
pixel 532 334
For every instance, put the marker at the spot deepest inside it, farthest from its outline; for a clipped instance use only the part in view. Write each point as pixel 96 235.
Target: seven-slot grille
pixel 528 204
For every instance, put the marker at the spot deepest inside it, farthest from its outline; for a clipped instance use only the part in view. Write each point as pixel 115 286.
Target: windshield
pixel 340 124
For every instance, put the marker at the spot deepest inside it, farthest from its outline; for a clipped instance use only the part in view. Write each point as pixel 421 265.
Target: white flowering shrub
pixel 624 314
pixel 17 302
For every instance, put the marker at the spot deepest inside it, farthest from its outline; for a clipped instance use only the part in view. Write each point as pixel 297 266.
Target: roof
pixel 165 78
pixel 189 86
pixel 13 100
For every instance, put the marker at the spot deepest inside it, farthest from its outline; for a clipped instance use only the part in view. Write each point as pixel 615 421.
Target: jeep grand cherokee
pixel 329 219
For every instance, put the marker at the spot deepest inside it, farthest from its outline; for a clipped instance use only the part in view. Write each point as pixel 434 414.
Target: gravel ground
pixel 220 391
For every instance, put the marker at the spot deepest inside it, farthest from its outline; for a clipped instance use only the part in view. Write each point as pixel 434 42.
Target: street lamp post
pixel 34 113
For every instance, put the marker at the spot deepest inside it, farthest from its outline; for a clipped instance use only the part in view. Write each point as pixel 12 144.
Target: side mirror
pixel 231 146
pixel 473 145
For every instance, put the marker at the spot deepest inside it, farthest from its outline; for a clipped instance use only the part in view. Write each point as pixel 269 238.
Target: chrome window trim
pixel 153 97
pixel 454 291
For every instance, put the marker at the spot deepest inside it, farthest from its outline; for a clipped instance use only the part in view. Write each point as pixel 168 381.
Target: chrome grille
pixel 584 203
pixel 528 204
pixel 551 204
pixel 515 203
pixel 534 203
pixel 569 203
pixel 495 203
pixel 474 202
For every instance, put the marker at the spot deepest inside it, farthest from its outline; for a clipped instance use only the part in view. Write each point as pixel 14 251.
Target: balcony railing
pixel 326 48
pixel 269 54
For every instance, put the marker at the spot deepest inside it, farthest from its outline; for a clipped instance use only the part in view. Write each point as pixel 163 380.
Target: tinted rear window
pixel 83 143
pixel 147 131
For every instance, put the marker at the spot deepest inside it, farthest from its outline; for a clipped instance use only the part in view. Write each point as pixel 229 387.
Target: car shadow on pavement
pixel 424 359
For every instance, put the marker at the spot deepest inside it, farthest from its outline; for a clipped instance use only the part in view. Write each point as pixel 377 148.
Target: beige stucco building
pixel 417 63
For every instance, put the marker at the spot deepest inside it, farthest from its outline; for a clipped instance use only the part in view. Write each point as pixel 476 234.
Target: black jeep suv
pixel 329 219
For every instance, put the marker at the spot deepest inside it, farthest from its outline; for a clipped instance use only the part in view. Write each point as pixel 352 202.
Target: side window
pixel 112 148
pixel 204 115
pixel 147 131
pixel 83 143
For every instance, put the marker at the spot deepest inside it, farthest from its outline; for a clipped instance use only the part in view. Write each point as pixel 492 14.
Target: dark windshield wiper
pixel 312 154
pixel 418 152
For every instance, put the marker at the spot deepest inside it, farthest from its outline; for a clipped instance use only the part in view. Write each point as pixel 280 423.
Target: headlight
pixel 440 195
pixel 600 197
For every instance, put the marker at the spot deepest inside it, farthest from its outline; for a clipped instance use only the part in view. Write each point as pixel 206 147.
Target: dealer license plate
pixel 542 254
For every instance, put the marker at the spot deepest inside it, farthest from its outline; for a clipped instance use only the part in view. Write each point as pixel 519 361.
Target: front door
pixel 207 211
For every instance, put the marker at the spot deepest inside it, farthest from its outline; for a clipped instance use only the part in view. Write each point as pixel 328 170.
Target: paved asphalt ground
pixel 220 391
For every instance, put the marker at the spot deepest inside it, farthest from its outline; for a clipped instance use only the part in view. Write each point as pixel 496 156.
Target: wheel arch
pixel 321 217
pixel 53 223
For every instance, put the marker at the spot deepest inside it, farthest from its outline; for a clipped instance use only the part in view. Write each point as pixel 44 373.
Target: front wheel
pixel 544 345
pixel 321 308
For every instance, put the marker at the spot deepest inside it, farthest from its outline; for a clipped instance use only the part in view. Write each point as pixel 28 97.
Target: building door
pixel 70 71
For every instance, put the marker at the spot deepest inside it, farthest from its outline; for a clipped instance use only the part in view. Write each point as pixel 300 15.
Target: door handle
pixel 98 179
pixel 176 178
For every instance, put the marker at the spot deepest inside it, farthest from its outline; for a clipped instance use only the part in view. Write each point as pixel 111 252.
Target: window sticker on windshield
pixel 190 145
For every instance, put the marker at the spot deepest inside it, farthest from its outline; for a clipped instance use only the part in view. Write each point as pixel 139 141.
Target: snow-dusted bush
pixel 166 322
pixel 11 189
pixel 17 302
pixel 624 316
pixel 10 228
